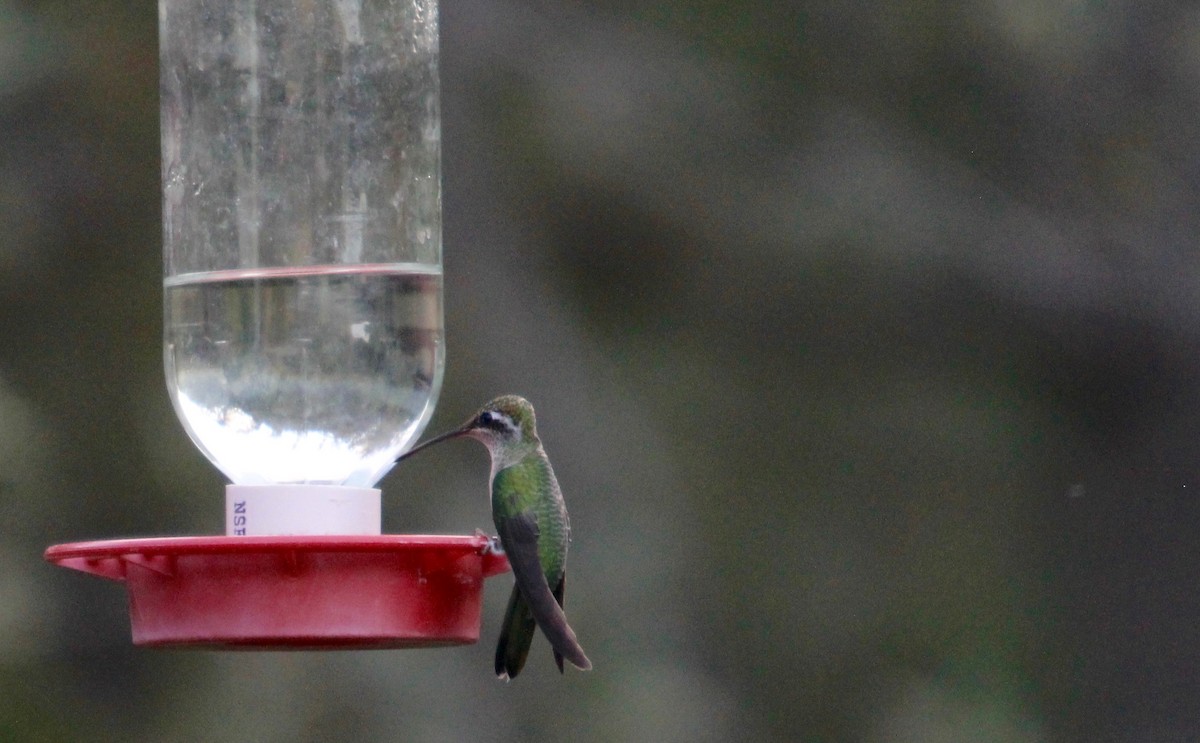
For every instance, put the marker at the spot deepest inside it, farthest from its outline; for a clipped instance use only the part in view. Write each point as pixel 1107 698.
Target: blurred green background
pixel 863 337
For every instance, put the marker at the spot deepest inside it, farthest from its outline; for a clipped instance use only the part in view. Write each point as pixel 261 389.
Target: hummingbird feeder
pixel 303 338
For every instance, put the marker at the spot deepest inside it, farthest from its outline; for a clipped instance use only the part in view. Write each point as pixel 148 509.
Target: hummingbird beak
pixel 435 440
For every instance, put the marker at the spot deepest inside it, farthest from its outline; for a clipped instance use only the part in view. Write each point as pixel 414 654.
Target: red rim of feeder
pixel 310 592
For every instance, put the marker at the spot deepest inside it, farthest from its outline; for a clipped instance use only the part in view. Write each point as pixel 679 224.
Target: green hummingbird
pixel 531 520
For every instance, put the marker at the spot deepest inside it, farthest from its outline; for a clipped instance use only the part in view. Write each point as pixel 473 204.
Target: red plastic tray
pixel 313 592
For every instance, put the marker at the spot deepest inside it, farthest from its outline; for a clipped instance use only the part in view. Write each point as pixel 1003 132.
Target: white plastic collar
pixel 270 510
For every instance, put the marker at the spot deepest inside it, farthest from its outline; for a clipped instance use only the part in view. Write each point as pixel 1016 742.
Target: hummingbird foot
pixel 494 547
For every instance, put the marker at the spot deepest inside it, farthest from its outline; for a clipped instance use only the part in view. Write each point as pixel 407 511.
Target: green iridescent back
pixel 530 486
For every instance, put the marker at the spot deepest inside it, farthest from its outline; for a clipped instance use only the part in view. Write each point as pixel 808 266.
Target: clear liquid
pixel 313 375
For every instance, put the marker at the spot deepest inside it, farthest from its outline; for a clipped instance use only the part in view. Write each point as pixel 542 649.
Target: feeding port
pixel 393 591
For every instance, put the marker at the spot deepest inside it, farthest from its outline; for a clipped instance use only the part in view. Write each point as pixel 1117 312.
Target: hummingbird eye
pixel 494 421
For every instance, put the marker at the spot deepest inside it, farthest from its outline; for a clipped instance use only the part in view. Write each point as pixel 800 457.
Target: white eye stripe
pixel 506 421
pixel 497 420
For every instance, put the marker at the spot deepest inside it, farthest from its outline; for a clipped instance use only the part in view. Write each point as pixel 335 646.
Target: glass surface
pixel 302 232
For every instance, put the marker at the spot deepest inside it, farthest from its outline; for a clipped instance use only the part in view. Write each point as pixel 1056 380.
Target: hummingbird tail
pixel 559 591
pixel 516 635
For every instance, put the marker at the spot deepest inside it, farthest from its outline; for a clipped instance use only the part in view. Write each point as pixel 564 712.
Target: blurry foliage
pixel 863 338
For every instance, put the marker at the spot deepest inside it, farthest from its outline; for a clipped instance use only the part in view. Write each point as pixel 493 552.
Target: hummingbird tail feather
pixel 559 594
pixel 516 635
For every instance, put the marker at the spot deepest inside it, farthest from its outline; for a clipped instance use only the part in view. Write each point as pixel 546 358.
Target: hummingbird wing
pixel 519 535
pixel 516 634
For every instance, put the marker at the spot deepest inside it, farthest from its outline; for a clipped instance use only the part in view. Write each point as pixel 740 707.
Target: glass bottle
pixel 301 145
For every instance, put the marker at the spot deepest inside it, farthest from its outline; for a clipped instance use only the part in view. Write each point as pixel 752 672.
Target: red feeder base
pixel 393 591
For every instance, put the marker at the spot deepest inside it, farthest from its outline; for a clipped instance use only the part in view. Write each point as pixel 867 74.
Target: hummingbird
pixel 533 528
